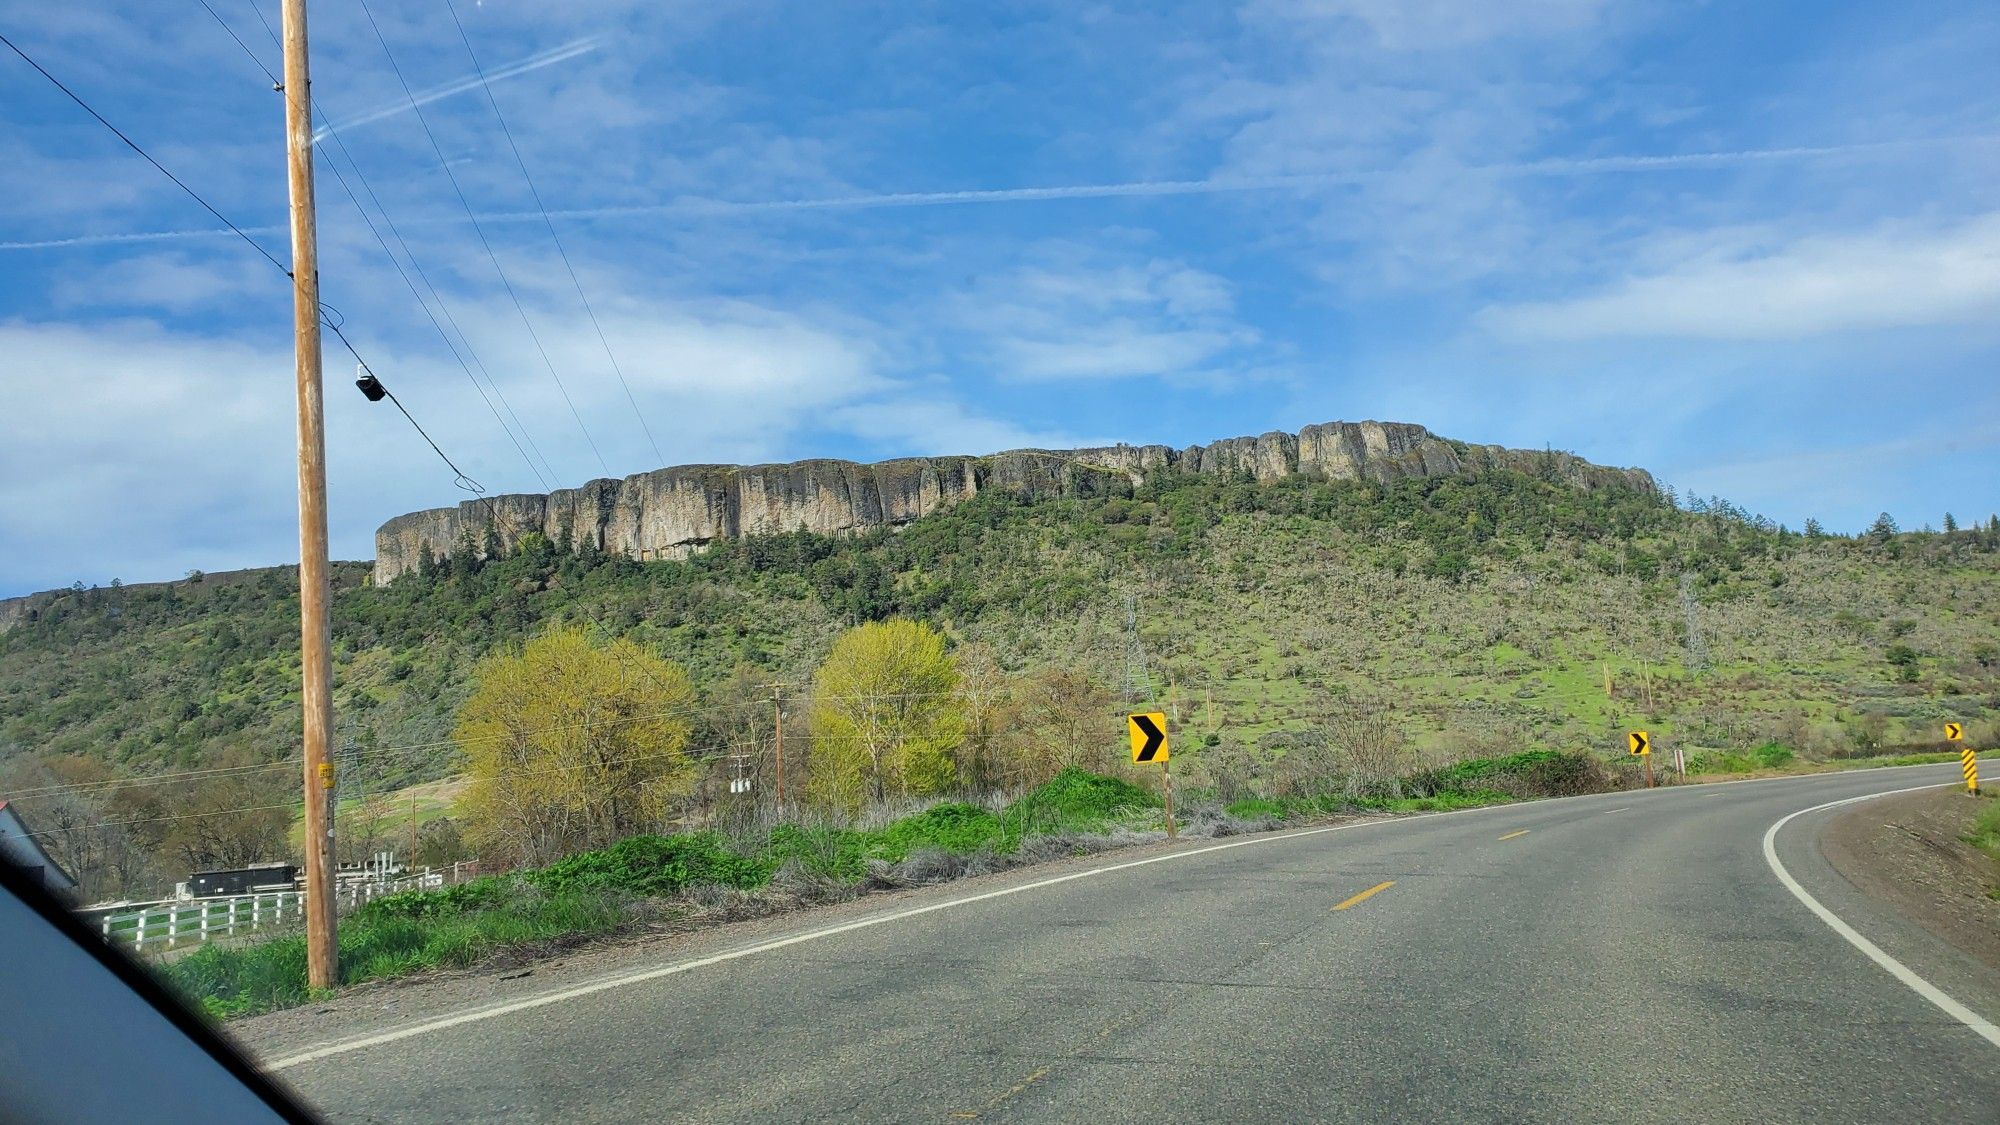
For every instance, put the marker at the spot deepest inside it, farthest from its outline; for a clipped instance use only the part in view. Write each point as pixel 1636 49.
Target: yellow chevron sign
pixel 1638 742
pixel 1953 732
pixel 1149 736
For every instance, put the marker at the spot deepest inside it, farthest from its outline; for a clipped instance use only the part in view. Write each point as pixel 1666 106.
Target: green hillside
pixel 1485 614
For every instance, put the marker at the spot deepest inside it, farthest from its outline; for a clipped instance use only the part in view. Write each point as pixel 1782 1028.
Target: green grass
pixel 1985 833
pixel 593 892
pixel 1769 756
pixel 380 943
pixel 1256 808
pixel 1295 808
pixel 655 865
pixel 1910 760
pixel 1076 801
pixel 1442 802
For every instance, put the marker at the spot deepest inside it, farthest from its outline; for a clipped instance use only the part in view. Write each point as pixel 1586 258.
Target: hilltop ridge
pixel 672 512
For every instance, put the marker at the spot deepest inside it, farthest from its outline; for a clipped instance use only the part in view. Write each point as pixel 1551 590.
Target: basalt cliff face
pixel 670 513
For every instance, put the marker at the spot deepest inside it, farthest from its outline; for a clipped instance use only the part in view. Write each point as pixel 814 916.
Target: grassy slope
pixel 598 891
pixel 1487 610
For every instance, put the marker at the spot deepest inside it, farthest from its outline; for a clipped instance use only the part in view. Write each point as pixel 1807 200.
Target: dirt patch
pixel 1910 852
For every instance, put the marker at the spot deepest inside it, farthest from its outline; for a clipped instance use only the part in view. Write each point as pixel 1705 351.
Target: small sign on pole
pixel 1640 743
pixel 1147 731
pixel 1953 732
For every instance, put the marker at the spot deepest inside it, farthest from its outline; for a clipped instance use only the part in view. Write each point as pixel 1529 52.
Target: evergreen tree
pixel 1813 529
pixel 1882 530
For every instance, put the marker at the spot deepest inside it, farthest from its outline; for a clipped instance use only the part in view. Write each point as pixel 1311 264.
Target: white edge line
pixel 1985 1029
pixel 346 1046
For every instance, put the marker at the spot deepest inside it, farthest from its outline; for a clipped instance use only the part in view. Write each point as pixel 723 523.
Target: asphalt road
pixel 1620 957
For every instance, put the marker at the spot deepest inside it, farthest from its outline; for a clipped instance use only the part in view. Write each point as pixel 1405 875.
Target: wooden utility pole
pixel 315 632
pixel 778 728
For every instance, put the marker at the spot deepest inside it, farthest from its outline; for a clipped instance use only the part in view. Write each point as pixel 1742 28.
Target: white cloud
pixel 1896 276
pixel 1404 25
pixel 913 424
pixel 127 450
pixel 1078 315
pixel 172 282
pixel 1429 153
pixel 132 449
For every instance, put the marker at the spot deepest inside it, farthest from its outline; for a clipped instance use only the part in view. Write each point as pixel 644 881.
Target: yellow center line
pixel 1030 1080
pixel 1364 895
pixel 1522 832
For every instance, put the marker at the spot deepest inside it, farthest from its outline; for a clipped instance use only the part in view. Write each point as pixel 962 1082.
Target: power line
pixel 134 146
pixel 462 481
pixel 209 207
pixel 276 82
pixel 334 167
pixel 484 242
pixel 535 192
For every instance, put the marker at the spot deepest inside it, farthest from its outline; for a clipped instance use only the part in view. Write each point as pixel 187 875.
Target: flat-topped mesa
pixel 670 513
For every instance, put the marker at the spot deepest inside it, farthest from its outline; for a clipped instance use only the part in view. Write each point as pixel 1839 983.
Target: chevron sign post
pixel 1968 760
pixel 1147 731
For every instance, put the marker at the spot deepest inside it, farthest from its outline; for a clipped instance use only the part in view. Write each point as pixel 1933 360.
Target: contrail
pixel 1217 185
pixel 549 57
pixel 1567 166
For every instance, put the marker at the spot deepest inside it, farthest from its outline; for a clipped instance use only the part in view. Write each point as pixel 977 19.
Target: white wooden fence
pixel 164 925
pixel 159 926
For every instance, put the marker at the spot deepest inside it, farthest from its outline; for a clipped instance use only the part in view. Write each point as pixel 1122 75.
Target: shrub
pixel 1772 755
pixel 655 865
pixel 1720 761
pixel 475 894
pixel 1074 800
pixel 951 827
pixel 1530 773
pixel 834 853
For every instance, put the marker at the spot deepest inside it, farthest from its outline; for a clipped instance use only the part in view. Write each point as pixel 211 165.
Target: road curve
pixel 1624 957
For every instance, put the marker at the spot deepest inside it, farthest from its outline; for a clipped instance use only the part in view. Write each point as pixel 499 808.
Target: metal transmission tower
pixel 1138 681
pixel 1696 648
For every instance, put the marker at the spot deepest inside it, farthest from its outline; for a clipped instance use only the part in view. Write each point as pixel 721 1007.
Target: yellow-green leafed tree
pixel 885 715
pixel 571 745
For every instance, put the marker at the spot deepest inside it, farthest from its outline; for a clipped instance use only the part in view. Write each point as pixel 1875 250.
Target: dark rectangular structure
pixel 265 877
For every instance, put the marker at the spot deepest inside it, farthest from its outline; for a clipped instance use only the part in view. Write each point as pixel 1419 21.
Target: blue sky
pixel 1753 248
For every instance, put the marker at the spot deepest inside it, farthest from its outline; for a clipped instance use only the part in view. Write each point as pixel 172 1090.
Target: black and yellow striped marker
pixel 1968 762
